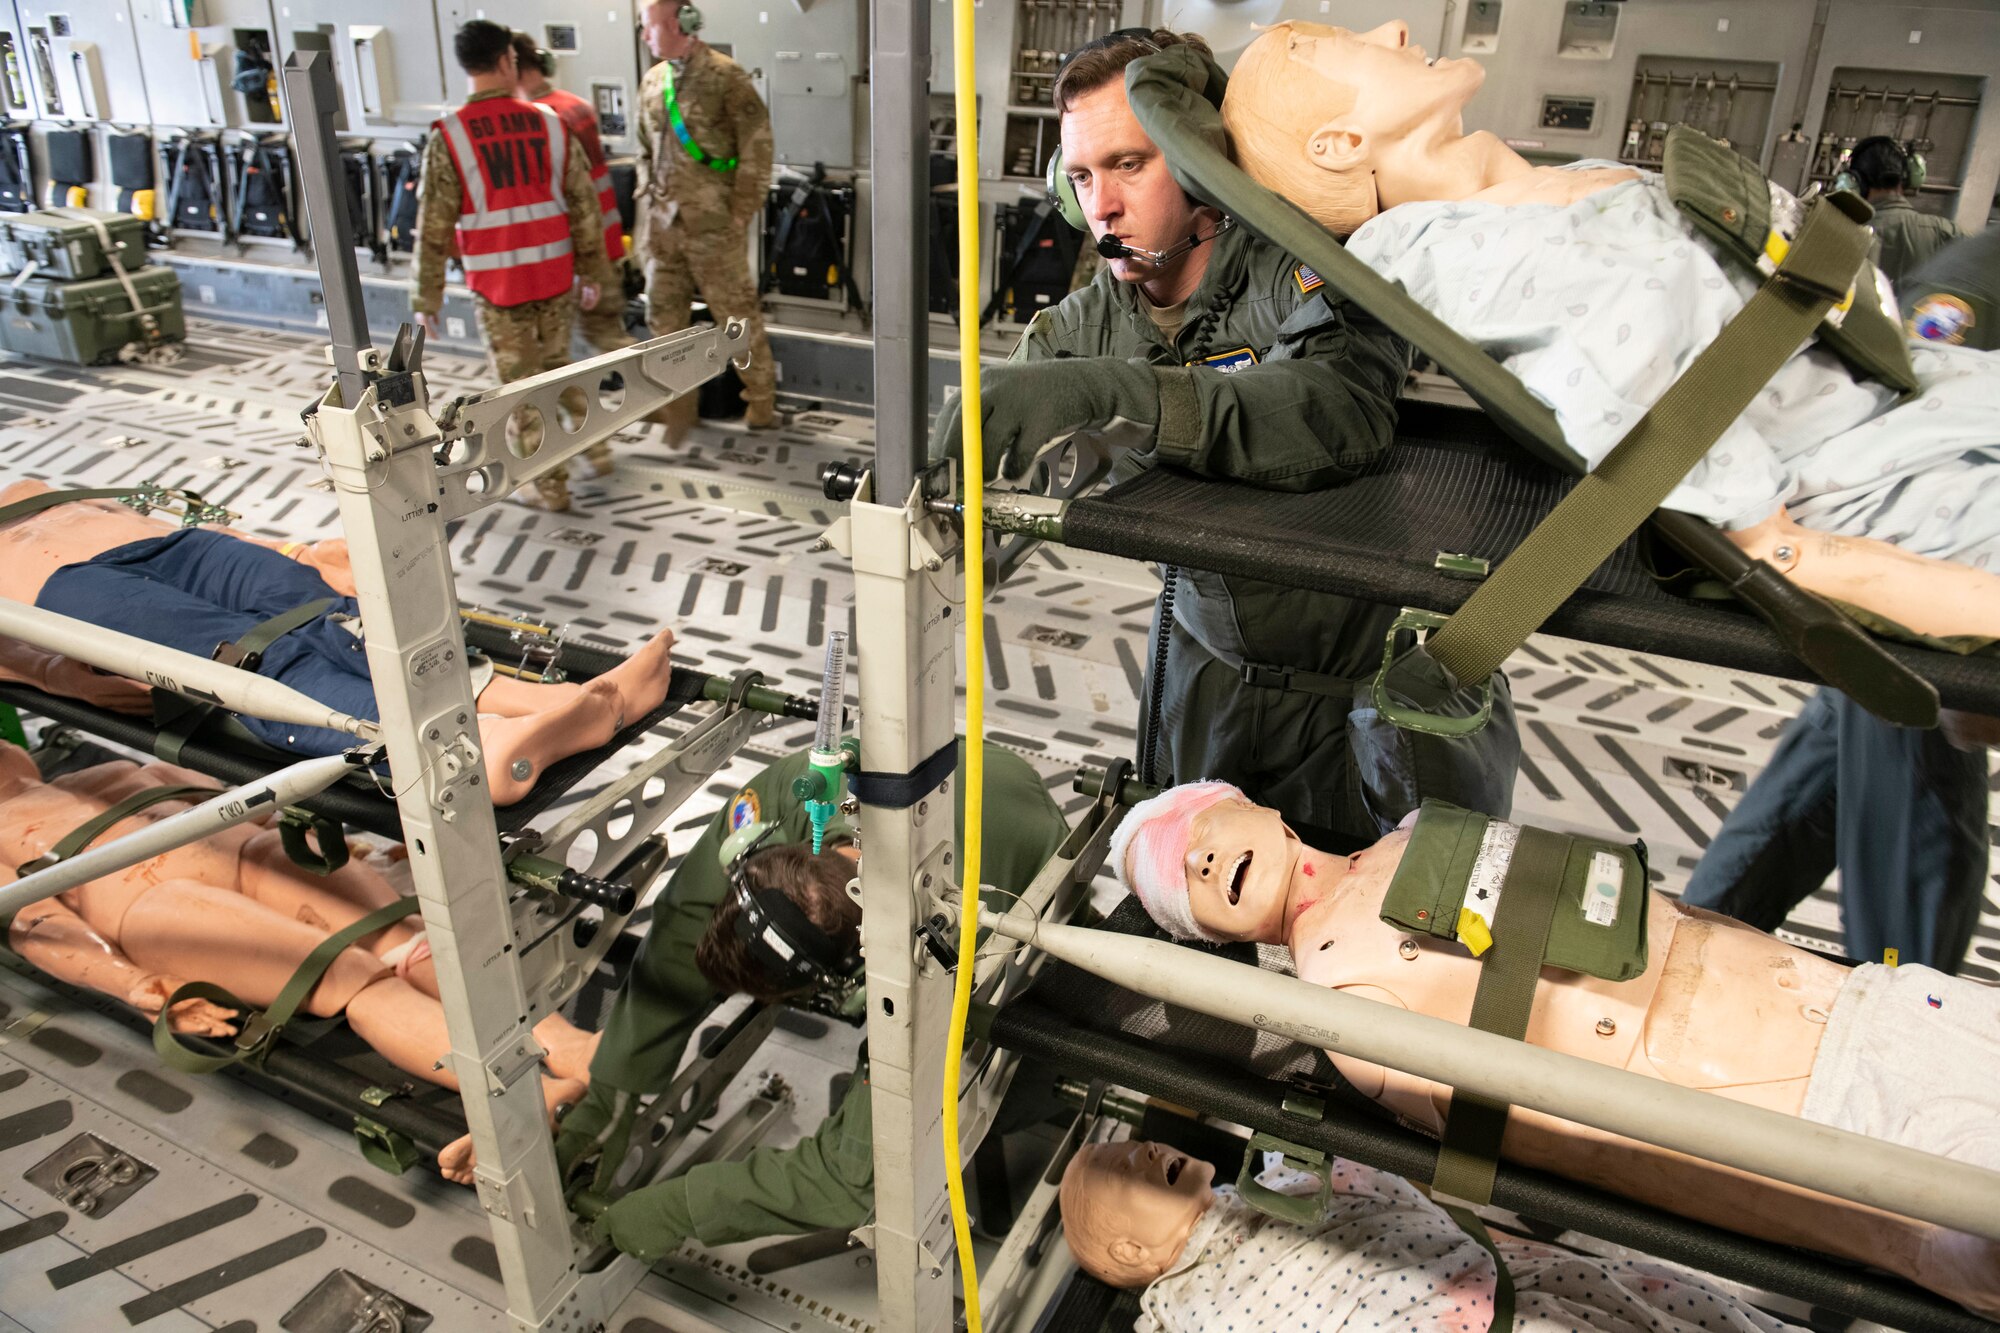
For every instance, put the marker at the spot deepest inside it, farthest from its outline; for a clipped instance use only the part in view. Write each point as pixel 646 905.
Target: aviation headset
pixel 1910 166
pixel 785 943
pixel 1062 190
pixel 545 61
pixel 690 19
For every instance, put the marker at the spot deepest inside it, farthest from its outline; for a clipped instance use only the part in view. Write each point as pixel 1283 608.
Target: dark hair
pixel 1098 62
pixel 1880 163
pixel 480 44
pixel 817 885
pixel 528 54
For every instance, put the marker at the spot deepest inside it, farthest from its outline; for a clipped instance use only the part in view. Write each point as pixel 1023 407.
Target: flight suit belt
pixel 1274 675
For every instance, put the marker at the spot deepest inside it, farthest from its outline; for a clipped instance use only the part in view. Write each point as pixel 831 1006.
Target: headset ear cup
pixel 1916 170
pixel 1062 191
pixel 1844 179
pixel 691 20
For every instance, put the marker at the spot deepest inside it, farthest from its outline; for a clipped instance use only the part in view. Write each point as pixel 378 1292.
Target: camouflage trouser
pixel 603 326
pixel 523 340
pixel 712 261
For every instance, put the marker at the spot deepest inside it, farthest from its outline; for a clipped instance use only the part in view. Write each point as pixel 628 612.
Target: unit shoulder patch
pixel 1940 318
pixel 1308 281
pixel 744 809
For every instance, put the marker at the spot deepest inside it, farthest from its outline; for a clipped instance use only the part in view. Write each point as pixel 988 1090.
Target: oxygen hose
pixel 973 556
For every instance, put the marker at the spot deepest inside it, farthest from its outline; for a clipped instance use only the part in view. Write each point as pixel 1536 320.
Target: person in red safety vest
pixel 506 189
pixel 604 327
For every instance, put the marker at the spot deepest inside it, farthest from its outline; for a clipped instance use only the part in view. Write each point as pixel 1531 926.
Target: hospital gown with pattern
pixel 1599 305
pixel 1385 1258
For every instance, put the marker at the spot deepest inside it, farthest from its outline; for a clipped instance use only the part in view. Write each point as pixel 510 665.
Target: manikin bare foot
pixel 519 748
pixel 568 1048
pixel 642 678
pixel 456 1162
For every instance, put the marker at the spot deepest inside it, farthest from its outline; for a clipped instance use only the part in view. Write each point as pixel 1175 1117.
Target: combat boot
pixel 761 416
pixel 550 492
pixel 596 462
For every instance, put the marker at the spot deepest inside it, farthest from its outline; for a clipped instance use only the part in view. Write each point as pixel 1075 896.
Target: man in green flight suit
pixel 1245 366
pixel 828 1179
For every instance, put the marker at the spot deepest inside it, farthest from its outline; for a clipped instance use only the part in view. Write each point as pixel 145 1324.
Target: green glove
pixel 600 1127
pixel 1028 405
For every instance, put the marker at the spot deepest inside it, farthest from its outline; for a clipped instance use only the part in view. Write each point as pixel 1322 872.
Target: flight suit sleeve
pixel 586 218
pixel 642 169
pixel 438 206
pixel 1320 405
pixel 827 1180
pixel 755 150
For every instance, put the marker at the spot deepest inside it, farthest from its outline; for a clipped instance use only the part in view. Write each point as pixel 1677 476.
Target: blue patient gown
pixel 195 590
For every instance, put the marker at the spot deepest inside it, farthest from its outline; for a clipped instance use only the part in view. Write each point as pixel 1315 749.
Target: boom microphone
pixel 1112 248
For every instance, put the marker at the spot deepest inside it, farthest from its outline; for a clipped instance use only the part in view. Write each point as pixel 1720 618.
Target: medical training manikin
pixel 1379 1254
pixel 1596 290
pixel 233 910
pixel 100 561
pixel 1641 983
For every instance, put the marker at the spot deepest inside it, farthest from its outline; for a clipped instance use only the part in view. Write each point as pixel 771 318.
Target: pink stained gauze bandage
pixel 1149 853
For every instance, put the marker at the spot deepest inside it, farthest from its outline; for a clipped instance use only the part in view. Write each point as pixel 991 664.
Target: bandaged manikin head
pixel 1346 124
pixel 1129 1208
pixel 1206 863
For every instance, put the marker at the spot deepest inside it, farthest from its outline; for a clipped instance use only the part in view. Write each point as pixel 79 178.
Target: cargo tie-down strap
pixel 148 325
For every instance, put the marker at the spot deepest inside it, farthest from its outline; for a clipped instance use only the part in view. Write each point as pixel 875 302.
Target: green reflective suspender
pixel 1508 973
pixel 1611 501
pixel 1175 95
pixel 90 830
pixel 670 99
pixel 258 1030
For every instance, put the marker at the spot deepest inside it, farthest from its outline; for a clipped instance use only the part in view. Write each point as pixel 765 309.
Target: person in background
pixel 1904 236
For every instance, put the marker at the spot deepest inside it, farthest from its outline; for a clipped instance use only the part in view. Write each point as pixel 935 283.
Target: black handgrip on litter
pixel 618 899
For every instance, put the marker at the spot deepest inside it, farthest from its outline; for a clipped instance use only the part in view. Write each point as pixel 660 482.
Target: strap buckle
pixel 257 1032
pixel 1411 717
pixel 1264 676
pixel 231 654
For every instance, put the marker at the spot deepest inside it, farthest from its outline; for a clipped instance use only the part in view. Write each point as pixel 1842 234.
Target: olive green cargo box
pixel 64 243
pixel 87 322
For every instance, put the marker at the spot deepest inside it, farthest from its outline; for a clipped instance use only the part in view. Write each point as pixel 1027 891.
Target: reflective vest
pixel 580 119
pixel 513 225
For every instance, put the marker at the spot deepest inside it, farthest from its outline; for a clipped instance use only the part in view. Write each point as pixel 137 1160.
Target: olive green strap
pixel 259 1029
pixel 1503 1279
pixel 178 717
pixel 37 504
pixel 1613 499
pixel 1508 972
pixel 93 828
pixel 248 651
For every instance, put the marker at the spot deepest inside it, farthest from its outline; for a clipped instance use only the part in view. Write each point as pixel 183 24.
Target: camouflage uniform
pixel 692 217
pixel 525 339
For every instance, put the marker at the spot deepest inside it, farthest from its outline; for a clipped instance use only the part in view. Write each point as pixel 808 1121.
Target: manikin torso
pixel 1720 1007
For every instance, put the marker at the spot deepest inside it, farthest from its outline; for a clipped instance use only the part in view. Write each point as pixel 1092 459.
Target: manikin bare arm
pixel 61 944
pixel 1935 597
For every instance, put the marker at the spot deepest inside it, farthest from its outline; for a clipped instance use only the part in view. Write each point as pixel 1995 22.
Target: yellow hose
pixel 974 458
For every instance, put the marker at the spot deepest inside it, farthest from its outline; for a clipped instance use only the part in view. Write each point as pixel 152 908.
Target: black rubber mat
pixel 1450 484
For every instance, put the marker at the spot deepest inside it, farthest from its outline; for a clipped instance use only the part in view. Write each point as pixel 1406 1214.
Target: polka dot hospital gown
pixel 1387 1260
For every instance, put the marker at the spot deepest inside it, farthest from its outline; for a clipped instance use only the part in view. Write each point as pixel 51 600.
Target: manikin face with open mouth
pixel 1129 1208
pixel 1239 867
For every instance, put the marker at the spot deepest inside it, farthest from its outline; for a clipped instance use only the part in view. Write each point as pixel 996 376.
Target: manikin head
pixel 1128 1209
pixel 1346 124
pixel 1120 175
pixel 1208 863
pixel 664 37
pixel 533 67
pixel 485 51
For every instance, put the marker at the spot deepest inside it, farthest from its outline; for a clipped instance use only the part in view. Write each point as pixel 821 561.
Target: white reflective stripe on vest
pixel 465 160
pixel 508 217
pixel 527 254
